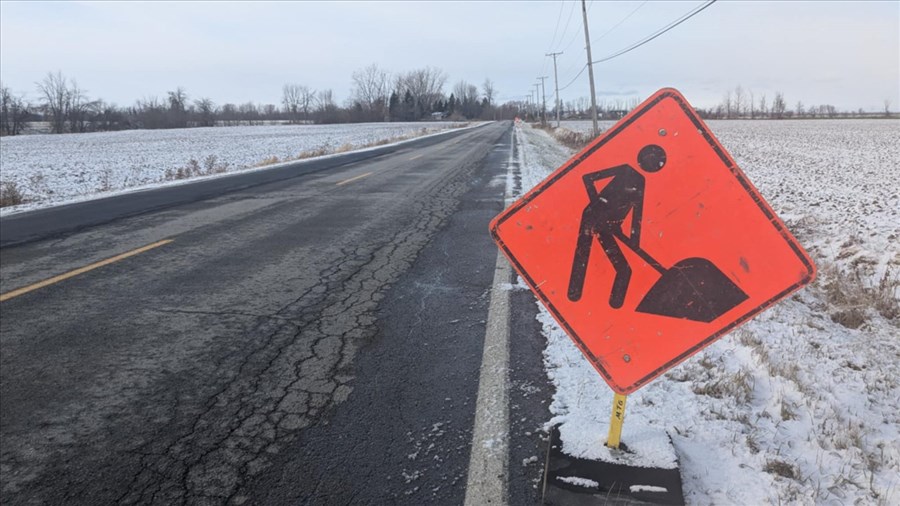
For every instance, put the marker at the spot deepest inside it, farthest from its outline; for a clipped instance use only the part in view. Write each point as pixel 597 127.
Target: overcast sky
pixel 842 53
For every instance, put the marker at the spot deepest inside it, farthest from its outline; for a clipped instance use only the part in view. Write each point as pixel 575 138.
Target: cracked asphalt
pixel 299 342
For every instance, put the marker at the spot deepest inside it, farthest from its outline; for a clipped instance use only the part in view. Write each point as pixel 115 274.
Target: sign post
pixel 616 419
pixel 649 245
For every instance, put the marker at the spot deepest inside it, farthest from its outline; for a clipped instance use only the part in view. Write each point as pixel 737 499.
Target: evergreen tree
pixel 409 105
pixel 394 107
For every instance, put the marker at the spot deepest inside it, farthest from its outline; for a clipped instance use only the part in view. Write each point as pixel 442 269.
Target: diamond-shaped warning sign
pixel 650 244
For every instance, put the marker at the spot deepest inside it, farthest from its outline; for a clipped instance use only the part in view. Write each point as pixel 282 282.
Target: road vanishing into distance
pixel 311 334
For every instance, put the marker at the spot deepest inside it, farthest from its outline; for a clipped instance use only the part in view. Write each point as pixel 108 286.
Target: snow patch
pixel 581 482
pixel 647 488
pixel 61 169
pixel 795 406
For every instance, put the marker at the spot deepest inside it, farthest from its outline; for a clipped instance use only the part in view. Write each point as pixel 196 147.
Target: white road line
pixel 488 473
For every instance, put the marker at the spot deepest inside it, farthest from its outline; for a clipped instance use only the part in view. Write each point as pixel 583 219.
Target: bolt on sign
pixel 650 244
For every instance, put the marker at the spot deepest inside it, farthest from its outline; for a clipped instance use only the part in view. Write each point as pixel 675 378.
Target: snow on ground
pixel 802 404
pixel 53 169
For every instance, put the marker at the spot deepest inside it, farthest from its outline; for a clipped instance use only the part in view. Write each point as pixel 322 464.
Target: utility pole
pixel 544 101
pixel 530 108
pixel 587 41
pixel 556 85
pixel 537 100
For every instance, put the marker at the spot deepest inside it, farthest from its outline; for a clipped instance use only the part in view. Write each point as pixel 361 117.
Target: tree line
pixel 740 103
pixel 376 96
pixel 737 103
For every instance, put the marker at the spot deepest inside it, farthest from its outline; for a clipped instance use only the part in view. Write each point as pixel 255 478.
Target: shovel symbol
pixel 693 289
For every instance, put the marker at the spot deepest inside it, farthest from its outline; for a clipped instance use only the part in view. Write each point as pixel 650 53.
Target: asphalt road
pixel 311 335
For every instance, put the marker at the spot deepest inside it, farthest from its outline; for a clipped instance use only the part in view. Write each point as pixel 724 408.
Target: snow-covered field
pixel 52 169
pixel 802 404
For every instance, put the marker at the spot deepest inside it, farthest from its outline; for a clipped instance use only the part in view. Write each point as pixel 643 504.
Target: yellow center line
pixel 416 157
pixel 82 270
pixel 352 179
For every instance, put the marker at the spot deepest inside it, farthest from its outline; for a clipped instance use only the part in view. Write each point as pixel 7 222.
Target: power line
pixel 568 21
pixel 562 5
pixel 620 22
pixel 575 78
pixel 643 41
pixel 659 32
pixel 576 34
pixel 607 32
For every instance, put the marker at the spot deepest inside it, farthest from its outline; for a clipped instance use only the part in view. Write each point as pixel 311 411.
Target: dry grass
pixel 347 147
pixel 311 153
pixel 105 180
pixel 211 163
pixel 193 168
pixel 574 140
pixel 850 297
pixel 571 139
pixel 780 468
pixel 268 161
pixel 10 194
pixel 738 386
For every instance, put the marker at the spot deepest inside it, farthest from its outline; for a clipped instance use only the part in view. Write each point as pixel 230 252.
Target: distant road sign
pixel 650 244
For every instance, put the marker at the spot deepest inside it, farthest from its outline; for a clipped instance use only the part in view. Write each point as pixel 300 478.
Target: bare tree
pixel 248 112
pixel 467 98
pixel 489 91
pixel 799 111
pixel 5 103
pixel 582 104
pixel 370 91
pixel 752 103
pixel 779 106
pixel 54 90
pixel 150 112
pixel 719 112
pixel 459 89
pixel 206 111
pixel 178 99
pixel 290 99
pixel 762 106
pixel 727 104
pixel 106 117
pixel 739 101
pixel 177 116
pixel 425 87
pixel 14 110
pixel 229 114
pixel 326 111
pixel 887 108
pixel 307 97
pixel 297 99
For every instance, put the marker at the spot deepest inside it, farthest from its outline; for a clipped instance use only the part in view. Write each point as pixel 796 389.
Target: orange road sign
pixel 650 244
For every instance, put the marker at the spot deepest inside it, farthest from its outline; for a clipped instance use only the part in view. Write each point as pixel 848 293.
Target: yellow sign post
pixel 615 421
